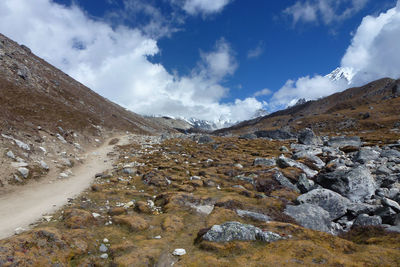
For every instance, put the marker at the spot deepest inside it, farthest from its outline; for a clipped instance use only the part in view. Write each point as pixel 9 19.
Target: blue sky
pixel 212 59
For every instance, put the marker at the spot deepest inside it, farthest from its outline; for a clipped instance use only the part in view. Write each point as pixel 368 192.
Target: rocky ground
pixel 228 201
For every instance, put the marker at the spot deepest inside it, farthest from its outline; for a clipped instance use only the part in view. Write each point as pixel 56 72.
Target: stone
pixel 67 162
pixel 366 220
pixel 103 248
pixel 264 162
pixel 24 172
pixel 179 252
pixel 310 216
pixel 330 201
pixel 19 230
pixel 44 165
pixel 205 139
pixel 22 145
pixel 104 256
pixel 284 149
pixel 356 209
pixel 305 185
pixel 383 170
pixel 388 215
pixel 253 215
pixel 61 138
pixel 248 136
pixel 282 180
pixel 344 141
pixel 275 134
pixel 316 161
pixel 356 184
pixel 365 155
pixel 235 231
pixel 239 166
pixel 390 153
pixel 392 204
pixel 285 162
pixel 10 154
pixel 129 171
pixel 308 137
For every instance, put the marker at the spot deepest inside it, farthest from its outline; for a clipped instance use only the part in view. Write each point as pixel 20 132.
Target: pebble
pixel 95 215
pixel 103 248
pixel 10 154
pixel 105 240
pixel 19 230
pixel 104 256
pixel 157 237
pixel 179 252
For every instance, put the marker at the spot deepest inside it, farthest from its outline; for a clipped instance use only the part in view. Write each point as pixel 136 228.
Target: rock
pixel 61 138
pixel 205 139
pixel 308 137
pixel 19 230
pixel 316 161
pixel 365 155
pixel 356 209
pixel 22 145
pixel 390 153
pixel 264 162
pixel 366 220
pixel 104 256
pixel 305 185
pixel 179 252
pixel 96 215
pixel 284 162
pixel 330 201
pixel 284 149
pixel 129 171
pixel 388 215
pixel 310 216
pixel 24 172
pixel 44 165
pixel 282 180
pixel 235 231
pixel 10 154
pixel 248 136
pixel 275 134
pixel 383 170
pixel 356 184
pixel 392 204
pixel 253 215
pixel 63 175
pixel 134 223
pixel 344 141
pixel 103 248
pixel 239 166
pixel 67 162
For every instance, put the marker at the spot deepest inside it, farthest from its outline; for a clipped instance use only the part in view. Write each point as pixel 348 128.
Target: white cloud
pixel 256 52
pixel 203 7
pixel 327 11
pixel 113 61
pixel 263 92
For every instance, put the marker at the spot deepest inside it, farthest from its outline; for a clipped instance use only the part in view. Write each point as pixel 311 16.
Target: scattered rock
pixel 235 231
pixel 19 230
pixel 24 172
pixel 345 142
pixel 179 252
pixel 285 162
pixel 275 134
pixel 365 155
pixel 308 137
pixel 103 248
pixel 305 185
pixel 248 136
pixel 44 165
pixel 205 139
pixel 129 171
pixel 22 145
pixel 366 220
pixel 104 256
pixel 265 162
pixel 310 216
pixel 10 154
pixel 282 180
pixel 253 215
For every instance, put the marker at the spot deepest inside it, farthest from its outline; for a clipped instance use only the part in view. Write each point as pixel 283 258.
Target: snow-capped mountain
pixel 209 125
pixel 341 74
pixel 260 113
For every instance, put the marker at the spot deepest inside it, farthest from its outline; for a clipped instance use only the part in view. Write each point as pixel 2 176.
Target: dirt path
pixel 26 206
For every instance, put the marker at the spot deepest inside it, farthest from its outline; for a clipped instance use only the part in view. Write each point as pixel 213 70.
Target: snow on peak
pixel 341 74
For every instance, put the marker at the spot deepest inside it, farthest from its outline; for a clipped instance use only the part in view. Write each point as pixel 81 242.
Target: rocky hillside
pixel 228 201
pixel 359 110
pixel 47 116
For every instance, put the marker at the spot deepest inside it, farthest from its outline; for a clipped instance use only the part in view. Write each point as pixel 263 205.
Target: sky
pixel 219 60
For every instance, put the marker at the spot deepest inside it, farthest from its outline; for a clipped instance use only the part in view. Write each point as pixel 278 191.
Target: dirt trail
pixel 25 206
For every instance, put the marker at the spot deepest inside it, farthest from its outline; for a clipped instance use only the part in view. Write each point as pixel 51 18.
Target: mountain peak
pixel 341 74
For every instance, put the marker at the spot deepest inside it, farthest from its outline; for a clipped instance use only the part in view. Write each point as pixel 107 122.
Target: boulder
pixel 305 185
pixel 330 201
pixel 284 162
pixel 308 137
pixel 248 136
pixel 344 141
pixel 235 231
pixel 310 216
pixel 390 153
pixel 356 184
pixel 366 220
pixel 24 172
pixel 366 154
pixel 10 154
pixel 282 180
pixel 316 161
pixel 205 139
pixel 388 215
pixel 253 215
pixel 392 204
pixel 264 162
pixel 275 134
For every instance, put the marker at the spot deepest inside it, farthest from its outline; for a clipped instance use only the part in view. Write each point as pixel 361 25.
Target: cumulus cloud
pixel 204 7
pixel 373 54
pixel 114 62
pixel 326 11
pixel 263 92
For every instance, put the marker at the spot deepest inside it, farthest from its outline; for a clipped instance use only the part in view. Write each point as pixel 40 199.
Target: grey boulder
pixel 308 137
pixel 285 162
pixel 366 220
pixel 235 231
pixel 356 184
pixel 310 216
pixel 365 155
pixel 264 162
pixel 330 201
pixel 344 141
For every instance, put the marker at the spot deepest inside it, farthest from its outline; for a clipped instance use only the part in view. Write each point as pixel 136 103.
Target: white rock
pixel 44 165
pixel 105 240
pixel 47 218
pixel 179 252
pixel 22 145
pixel 97 140
pixel 239 166
pixel 19 230
pixel 103 248
pixel 63 175
pixel 104 256
pixel 59 137
pixel 78 146
pixel 43 149
pixel 24 172
pixel 129 204
pixel 10 154
pixel 19 164
pixel 95 215
pixel 157 237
